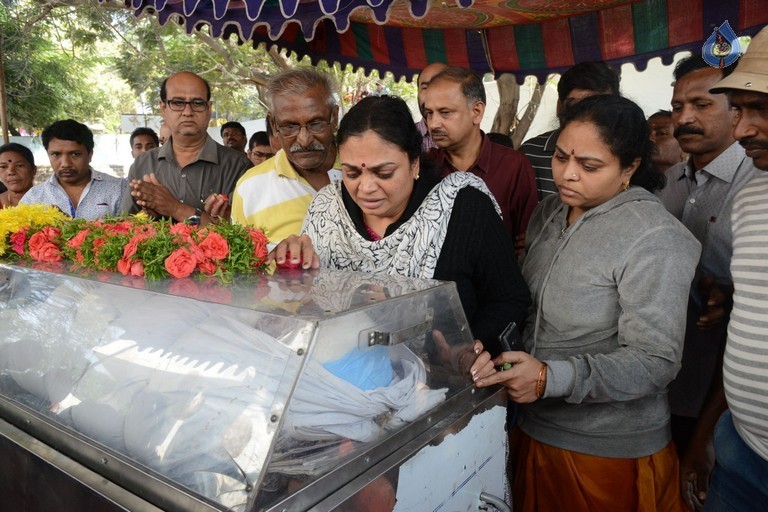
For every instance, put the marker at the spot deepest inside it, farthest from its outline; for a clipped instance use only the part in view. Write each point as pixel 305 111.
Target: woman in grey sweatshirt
pixel 610 271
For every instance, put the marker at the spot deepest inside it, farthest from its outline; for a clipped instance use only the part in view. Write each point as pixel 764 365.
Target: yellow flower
pixel 13 218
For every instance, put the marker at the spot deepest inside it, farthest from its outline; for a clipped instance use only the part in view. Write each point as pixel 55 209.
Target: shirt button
pixel 692 200
pixel 181 201
pixel 183 175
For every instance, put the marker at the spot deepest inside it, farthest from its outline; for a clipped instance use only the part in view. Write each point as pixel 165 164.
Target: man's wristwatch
pixel 195 218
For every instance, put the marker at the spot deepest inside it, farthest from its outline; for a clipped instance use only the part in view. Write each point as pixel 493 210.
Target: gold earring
pixel 626 186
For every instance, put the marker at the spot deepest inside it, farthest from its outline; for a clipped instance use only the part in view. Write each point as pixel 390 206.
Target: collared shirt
pixel 702 201
pixel 539 151
pixel 215 171
pixel 102 196
pixel 509 177
pixel 274 197
pixel 426 139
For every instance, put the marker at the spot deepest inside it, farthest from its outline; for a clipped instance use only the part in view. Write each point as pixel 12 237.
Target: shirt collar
pixel 208 153
pixel 727 163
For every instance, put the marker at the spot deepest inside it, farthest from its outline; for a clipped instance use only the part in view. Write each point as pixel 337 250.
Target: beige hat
pixel 751 73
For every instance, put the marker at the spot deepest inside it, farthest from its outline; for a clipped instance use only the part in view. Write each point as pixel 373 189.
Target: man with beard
pixel 303 113
pixel 700 193
pixel 190 176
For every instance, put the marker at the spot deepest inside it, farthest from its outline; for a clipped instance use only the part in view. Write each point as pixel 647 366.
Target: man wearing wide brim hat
pixel 740 479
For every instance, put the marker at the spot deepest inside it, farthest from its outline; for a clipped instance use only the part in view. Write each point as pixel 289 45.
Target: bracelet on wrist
pixel 541 381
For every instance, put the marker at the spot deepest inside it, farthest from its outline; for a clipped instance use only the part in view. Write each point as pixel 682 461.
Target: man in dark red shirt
pixel 454 106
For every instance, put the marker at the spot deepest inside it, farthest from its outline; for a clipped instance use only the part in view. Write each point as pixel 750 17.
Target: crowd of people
pixel 630 253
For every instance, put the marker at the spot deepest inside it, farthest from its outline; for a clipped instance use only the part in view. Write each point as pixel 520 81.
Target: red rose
pixel 51 233
pixel 36 240
pixel 215 246
pixel 18 239
pixel 206 266
pixel 137 269
pixel 260 242
pixel 77 241
pixel 124 266
pixel 181 263
pixel 48 252
pixel 132 246
pixel 184 232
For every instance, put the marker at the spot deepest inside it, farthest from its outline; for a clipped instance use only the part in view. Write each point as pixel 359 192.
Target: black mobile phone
pixel 510 340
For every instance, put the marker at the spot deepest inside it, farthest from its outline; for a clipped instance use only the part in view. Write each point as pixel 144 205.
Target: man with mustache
pixel 189 178
pixel 454 104
pixel 740 478
pixel 233 135
pixel 700 193
pixel 75 187
pixel 303 114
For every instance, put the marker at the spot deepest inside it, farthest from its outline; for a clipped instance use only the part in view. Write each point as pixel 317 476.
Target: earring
pixel 626 186
pixel 417 176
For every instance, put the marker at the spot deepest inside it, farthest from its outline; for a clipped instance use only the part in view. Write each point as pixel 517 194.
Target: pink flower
pixel 51 233
pixel 124 266
pixel 260 242
pixel 133 245
pixel 206 266
pixel 137 269
pixel 18 239
pixel 77 241
pixel 48 252
pixel 181 263
pixel 184 232
pixel 215 246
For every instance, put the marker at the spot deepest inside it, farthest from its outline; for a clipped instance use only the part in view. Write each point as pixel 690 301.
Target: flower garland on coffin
pixel 135 245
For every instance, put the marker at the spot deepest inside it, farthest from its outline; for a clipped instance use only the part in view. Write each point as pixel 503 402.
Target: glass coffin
pixel 225 397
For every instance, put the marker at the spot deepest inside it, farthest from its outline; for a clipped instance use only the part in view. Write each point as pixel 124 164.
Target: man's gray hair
pixel 297 82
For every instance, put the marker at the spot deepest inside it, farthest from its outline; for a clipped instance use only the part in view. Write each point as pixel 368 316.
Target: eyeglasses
pixel 291 130
pixel 180 105
pixel 259 154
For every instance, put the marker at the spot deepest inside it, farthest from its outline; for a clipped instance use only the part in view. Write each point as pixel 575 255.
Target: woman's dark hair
pixel 22 150
pixel 623 128
pixel 389 117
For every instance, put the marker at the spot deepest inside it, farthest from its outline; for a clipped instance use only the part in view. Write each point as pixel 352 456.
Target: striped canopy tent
pixel 524 37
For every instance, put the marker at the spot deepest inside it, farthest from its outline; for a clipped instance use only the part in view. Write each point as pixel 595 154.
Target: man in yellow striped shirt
pixel 275 194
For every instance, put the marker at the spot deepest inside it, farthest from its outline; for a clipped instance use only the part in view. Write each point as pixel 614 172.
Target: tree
pixel 53 69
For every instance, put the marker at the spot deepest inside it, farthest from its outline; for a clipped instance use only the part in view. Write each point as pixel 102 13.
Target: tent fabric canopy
pixel 524 37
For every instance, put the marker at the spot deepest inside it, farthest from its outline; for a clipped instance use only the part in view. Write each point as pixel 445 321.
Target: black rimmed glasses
pixel 179 105
pixel 315 127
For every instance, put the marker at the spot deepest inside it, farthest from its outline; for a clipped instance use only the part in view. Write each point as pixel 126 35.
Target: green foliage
pixel 54 67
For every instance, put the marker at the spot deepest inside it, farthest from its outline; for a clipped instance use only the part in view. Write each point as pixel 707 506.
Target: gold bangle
pixel 541 381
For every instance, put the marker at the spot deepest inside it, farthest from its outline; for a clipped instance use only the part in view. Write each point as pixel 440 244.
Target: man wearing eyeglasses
pixel 259 149
pixel 190 177
pixel 303 114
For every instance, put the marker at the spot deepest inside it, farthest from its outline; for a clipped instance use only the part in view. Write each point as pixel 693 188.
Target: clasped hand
pixel 520 379
pixel 158 201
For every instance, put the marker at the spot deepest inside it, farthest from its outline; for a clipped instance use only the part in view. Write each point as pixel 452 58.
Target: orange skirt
pixel 552 479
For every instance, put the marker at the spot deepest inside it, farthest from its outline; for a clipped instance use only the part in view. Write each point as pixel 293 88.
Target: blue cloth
pixel 740 480
pixel 367 370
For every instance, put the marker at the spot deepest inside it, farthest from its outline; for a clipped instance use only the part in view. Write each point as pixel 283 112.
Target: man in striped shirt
pixel 274 195
pixel 740 479
pixel 579 82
